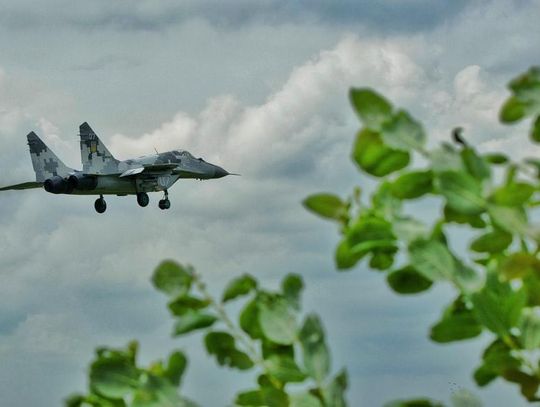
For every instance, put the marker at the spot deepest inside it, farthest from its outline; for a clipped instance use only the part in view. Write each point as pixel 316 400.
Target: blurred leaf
pixel 457 323
pixel 222 346
pixel 250 398
pixel 304 400
pixel 275 397
pixel 474 221
pixel 535 130
pixel 512 110
pixel 172 278
pixel 156 392
pixel 185 303
pixel 385 204
pixel 511 219
pixel 277 320
pixel 529 325
pixel 408 281
pixel 464 398
pixel 191 321
pixel 421 402
pixel 492 242
pixel 514 194
pixel 327 206
pixel 409 229
pixel 371 234
pixel 284 368
pixel 270 348
pixel 445 158
pixel 249 320
pixel 498 307
pixel 518 265
pixel 496 158
pixel 475 165
pixel 176 367
pixel 463 193
pixel 315 351
pixel 432 259
pixel 376 158
pixel 413 185
pixel 497 359
pixel 344 257
pixel 528 383
pixel 114 375
pixel 291 287
pixel 372 108
pixel 334 392
pixel 402 132
pixel 382 260
pixel 239 286
pixel 526 88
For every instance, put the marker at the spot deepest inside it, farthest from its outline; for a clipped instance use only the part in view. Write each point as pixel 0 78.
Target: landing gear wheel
pixel 164 204
pixel 142 199
pixel 100 205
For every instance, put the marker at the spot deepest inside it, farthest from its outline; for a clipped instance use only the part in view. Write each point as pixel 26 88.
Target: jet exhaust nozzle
pixel 82 182
pixel 57 185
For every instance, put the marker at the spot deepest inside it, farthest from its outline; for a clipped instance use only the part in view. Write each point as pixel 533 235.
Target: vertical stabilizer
pixel 95 157
pixel 46 164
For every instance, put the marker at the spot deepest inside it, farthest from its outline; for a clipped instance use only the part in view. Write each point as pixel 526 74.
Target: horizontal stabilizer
pixel 24 185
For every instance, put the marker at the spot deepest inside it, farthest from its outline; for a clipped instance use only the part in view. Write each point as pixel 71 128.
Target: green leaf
pixel 496 158
pixel 291 287
pixel 277 320
pixel 519 265
pixel 402 132
pixel 371 234
pixel 408 281
pixel 535 130
pixel 432 259
pixel 510 219
pixel 475 165
pixel 176 367
pixel 114 375
pixel 413 185
pixel 334 392
pixel 514 194
pixel 250 398
pixel 497 359
pixel 284 368
pixel 275 397
pixel 529 325
pixel 156 392
pixel 249 320
pixel 446 158
pixel 304 400
pixel 172 278
pixel 372 108
pixel 526 88
pixel 222 346
pixel 385 204
pixel 376 158
pixel 344 257
pixel 498 307
pixel 408 229
pixel 457 323
pixel 420 402
pixel 191 321
pixel 316 355
pixel 239 286
pixel 512 110
pixel 327 206
pixel 463 193
pixel 528 383
pixel 474 221
pixel 492 242
pixel 185 303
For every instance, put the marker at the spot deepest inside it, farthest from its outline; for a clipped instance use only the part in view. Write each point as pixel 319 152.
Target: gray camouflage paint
pixel 151 173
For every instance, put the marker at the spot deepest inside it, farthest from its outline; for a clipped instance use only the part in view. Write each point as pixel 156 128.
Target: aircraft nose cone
pixel 220 172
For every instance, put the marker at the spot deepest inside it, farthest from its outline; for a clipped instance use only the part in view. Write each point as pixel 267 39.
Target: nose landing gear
pixel 100 205
pixel 165 203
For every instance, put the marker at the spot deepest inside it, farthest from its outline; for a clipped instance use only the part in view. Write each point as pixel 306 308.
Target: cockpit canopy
pixel 184 153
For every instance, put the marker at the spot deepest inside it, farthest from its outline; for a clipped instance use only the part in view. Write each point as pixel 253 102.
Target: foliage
pixel 270 340
pixel 497 282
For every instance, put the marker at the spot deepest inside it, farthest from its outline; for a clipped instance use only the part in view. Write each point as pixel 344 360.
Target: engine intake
pixel 57 185
pixel 82 182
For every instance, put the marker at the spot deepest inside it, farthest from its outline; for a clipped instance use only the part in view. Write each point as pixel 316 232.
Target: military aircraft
pixel 102 174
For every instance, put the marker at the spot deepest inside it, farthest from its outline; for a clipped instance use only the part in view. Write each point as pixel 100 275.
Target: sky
pixel 259 88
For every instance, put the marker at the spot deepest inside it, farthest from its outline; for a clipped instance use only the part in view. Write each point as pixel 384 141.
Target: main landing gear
pixel 100 205
pixel 142 199
pixel 165 203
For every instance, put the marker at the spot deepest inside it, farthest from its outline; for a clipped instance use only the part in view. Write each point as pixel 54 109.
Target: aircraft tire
pixel 100 205
pixel 143 199
pixel 164 204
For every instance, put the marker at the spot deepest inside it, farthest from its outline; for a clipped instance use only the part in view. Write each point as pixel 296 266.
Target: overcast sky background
pixel 261 89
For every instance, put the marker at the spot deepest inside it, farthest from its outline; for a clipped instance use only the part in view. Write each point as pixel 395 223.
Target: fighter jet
pixel 102 174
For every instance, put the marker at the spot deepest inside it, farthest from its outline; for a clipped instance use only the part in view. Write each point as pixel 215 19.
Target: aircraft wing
pixel 153 168
pixel 24 185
